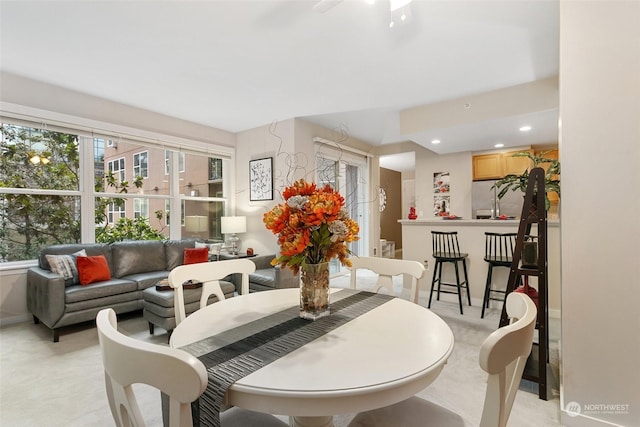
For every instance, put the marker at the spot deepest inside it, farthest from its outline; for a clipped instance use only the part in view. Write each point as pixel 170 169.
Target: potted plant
pixel 519 182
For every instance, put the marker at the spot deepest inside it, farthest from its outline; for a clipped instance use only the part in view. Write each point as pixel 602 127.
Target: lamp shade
pixel 234 224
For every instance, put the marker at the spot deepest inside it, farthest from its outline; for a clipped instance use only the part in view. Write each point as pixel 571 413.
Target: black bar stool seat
pixel 498 252
pixel 447 250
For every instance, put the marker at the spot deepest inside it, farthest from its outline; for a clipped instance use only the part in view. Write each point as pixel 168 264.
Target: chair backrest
pixel 498 247
pixel 179 375
pixel 503 356
pixel 445 244
pixel 210 274
pixel 386 268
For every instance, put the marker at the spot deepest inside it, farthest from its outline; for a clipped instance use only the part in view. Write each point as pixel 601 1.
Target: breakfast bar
pixel 416 245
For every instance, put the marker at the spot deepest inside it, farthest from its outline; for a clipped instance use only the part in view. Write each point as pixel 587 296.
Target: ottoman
pixel 158 307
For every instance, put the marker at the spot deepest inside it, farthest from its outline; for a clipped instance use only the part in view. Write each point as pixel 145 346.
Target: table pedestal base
pixel 311 421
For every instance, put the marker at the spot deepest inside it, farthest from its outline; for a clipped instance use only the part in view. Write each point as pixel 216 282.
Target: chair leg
pixel 466 280
pixel 433 282
pixel 151 328
pixel 487 291
pixel 439 279
pixel 455 265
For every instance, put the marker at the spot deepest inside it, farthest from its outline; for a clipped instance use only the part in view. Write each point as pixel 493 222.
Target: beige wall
pixel 600 148
pixel 460 169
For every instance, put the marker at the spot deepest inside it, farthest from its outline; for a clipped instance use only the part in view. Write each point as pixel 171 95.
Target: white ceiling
pixel 236 65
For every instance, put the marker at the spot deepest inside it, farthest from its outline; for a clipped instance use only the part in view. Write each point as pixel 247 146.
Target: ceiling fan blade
pixel 324 5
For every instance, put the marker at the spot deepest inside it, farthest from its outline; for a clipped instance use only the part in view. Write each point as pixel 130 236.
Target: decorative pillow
pixel 93 269
pixel 195 255
pixel 65 265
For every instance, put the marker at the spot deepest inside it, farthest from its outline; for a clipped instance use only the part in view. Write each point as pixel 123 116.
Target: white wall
pixel 600 148
pixel 290 143
pixel 23 91
pixel 276 140
pixel 459 166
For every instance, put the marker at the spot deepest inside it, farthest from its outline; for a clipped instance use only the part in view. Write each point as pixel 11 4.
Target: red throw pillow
pixel 195 255
pixel 93 269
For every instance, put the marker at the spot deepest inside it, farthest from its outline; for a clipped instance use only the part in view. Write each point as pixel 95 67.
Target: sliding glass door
pixel 346 174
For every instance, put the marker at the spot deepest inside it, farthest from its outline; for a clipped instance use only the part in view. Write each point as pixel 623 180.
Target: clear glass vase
pixel 314 291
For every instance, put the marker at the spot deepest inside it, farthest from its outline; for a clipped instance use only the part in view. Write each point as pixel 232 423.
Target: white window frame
pixel 87 130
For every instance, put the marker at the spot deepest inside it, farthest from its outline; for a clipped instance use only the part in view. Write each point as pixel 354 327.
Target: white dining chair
pixel 386 269
pixel 127 361
pixel 176 373
pixel 503 356
pixel 210 274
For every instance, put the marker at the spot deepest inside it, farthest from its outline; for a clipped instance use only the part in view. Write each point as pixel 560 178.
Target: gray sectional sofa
pixel 136 267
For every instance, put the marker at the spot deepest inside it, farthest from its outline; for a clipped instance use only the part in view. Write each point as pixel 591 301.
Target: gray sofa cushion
pixel 174 250
pixel 99 290
pixel 146 280
pixel 131 257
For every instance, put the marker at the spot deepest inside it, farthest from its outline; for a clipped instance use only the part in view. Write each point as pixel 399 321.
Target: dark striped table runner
pixel 234 354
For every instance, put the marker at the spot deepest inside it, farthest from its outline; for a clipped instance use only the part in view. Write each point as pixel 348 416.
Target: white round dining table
pixel 384 356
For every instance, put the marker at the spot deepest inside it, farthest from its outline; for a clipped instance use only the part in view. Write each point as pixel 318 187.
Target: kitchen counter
pixel 470 222
pixel 416 245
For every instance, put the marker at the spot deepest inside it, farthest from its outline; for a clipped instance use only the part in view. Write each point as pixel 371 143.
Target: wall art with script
pixel 261 179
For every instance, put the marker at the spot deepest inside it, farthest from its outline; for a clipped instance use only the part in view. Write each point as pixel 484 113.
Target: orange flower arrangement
pixel 312 226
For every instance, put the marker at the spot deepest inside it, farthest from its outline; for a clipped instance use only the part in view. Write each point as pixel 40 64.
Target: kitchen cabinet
pixel 497 165
pixel 515 165
pixel 487 166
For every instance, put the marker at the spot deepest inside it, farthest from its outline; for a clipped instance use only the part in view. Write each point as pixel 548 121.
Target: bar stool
pixel 446 249
pixel 498 252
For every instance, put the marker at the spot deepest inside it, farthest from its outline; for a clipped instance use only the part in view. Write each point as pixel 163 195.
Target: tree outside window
pixel 45 160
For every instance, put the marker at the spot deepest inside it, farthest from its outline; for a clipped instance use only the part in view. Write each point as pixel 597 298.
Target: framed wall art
pixel 261 179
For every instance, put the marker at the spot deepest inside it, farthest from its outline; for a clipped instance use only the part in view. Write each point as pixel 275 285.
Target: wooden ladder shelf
pixel 533 212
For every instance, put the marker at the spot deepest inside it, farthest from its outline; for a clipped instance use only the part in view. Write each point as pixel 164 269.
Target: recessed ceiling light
pixel 525 128
pixel 499 145
pixel 435 141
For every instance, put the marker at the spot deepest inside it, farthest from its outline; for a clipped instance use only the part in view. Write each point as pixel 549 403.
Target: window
pixel 115 211
pixel 116 167
pixel 41 195
pixel 215 169
pixel 140 163
pixel 166 162
pixel 34 160
pixel 141 208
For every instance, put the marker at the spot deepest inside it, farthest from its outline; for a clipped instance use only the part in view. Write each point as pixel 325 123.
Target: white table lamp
pixel 233 225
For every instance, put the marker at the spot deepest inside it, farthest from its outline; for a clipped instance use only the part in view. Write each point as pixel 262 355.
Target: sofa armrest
pixel 45 295
pixel 285 278
pixel 263 261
